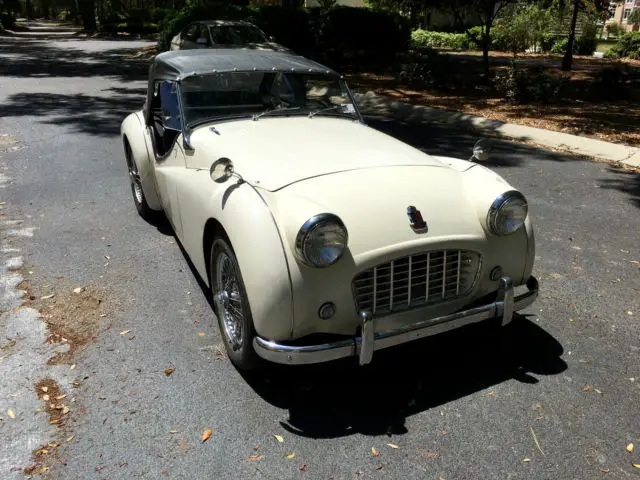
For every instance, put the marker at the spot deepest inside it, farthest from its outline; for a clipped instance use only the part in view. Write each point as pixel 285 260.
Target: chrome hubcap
pixel 228 300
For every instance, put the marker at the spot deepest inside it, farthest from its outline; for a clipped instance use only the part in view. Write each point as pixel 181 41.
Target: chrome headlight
pixel 507 213
pixel 321 240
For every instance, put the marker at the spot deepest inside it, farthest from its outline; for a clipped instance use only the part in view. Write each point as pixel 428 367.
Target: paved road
pixel 562 401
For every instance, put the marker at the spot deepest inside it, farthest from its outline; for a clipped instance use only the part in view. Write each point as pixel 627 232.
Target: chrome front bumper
pixel 363 346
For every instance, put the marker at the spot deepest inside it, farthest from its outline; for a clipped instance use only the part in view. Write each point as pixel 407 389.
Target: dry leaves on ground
pixel 375 452
pixel 255 458
pixel 278 438
pixel 630 448
pixel 168 371
pixel 206 435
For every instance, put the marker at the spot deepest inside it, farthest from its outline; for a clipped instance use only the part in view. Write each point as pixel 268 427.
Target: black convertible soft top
pixel 178 64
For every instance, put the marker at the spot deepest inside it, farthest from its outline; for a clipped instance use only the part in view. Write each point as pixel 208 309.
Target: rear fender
pixel 133 131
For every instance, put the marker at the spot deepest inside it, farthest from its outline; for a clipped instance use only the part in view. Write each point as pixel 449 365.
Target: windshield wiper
pixel 256 116
pixel 328 109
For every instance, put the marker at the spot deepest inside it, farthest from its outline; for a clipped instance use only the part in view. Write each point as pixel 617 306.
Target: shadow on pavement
pixel 457 141
pixel 626 181
pixel 22 57
pixel 341 399
pixel 94 115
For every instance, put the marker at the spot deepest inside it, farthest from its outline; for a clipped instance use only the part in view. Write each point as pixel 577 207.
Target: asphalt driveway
pixel 561 399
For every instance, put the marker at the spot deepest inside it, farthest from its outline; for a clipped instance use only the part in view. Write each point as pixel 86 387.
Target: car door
pixel 172 163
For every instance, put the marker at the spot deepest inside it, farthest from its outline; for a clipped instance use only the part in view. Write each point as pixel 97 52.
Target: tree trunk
pixel 568 55
pixel 88 14
pixel 486 41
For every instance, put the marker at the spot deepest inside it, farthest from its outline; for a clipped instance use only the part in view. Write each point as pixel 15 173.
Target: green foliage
pixel 613 29
pixel 521 85
pixel 421 39
pixel 521 26
pixel 584 45
pixel 628 45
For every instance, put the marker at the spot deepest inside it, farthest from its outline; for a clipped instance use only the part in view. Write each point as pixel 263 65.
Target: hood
pixel 373 205
pixel 274 152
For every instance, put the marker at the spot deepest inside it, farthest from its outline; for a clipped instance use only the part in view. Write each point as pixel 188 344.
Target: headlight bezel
pixel 498 204
pixel 308 228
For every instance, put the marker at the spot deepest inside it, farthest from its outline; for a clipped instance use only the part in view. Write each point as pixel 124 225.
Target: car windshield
pixel 236 34
pixel 227 95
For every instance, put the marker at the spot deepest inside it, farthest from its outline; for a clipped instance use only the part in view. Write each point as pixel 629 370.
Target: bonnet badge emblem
pixel 416 221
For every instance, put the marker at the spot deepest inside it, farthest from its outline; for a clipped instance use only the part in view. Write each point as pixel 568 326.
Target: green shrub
pixel 519 84
pixel 421 39
pixel 547 42
pixel 628 45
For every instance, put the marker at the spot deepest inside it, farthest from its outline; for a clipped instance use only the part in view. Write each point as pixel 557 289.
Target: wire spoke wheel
pixel 229 300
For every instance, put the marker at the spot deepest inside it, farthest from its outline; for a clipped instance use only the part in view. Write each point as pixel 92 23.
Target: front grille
pixel 416 281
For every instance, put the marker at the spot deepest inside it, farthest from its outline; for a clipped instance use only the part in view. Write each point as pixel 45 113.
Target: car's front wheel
pixel 232 306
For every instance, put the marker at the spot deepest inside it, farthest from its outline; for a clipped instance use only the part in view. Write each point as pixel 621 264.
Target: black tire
pixel 241 353
pixel 137 191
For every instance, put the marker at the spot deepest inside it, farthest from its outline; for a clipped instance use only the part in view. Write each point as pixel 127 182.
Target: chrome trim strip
pixel 391 287
pixel 444 273
pixel 375 288
pixel 458 273
pixel 409 284
pixel 504 305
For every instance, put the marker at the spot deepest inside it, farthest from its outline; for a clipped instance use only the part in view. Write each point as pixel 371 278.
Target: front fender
pixel 248 223
pixel 134 131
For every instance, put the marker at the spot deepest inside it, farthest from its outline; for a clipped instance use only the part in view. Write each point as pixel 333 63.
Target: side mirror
pixel 482 150
pixel 202 41
pixel 221 170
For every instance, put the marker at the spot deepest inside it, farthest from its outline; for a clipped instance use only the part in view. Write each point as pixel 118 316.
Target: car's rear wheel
pixel 232 306
pixel 136 187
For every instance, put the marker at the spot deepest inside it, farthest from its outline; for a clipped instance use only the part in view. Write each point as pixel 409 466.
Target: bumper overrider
pixel 505 304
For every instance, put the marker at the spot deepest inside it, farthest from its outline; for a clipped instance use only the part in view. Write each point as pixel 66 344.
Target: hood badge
pixel 416 221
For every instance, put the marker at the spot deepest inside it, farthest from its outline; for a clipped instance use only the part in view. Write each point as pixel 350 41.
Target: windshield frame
pixel 187 127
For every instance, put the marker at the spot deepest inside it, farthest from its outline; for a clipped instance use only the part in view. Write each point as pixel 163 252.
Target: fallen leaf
pixel 526 459
pixel 375 452
pixel 630 448
pixel 200 334
pixel 124 332
pixel 72 366
pixel 255 458
pixel 45 398
pixel 637 465
pixel 168 371
pixel 11 414
pixel 379 467
pixel 70 438
pixel 173 431
pixel 206 434
pixel 46 297
pixel 586 389
pixel 44 389
pixel 60 397
pixel 43 469
pixel 290 456
pixel 392 445
pixel 304 468
pixel 629 312
pixel 279 438
pixel 78 290
pixel 255 448
pixel 597 391
pixel 65 410
pixel 15 309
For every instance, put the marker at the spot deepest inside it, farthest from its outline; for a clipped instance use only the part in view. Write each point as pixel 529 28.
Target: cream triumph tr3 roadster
pixel 319 236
